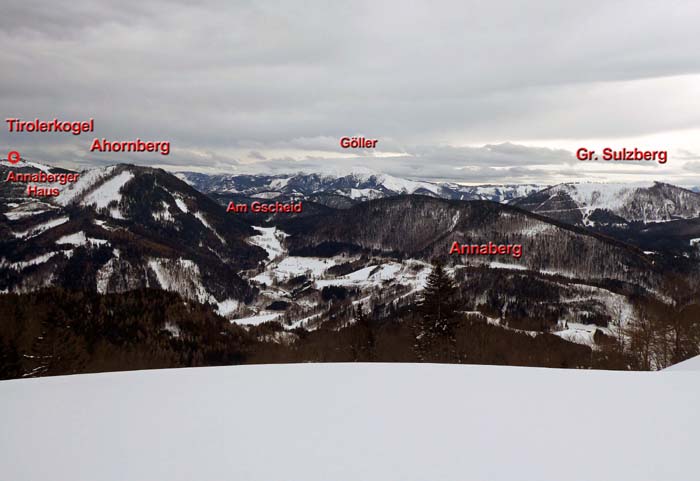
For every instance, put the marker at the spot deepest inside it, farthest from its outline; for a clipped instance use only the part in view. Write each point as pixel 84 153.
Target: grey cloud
pixel 421 76
pixel 437 163
pixel 688 155
pixel 254 154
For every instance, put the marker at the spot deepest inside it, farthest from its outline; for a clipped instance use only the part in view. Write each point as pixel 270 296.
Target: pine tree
pixel 363 342
pixel 359 316
pixel 437 304
pixel 435 336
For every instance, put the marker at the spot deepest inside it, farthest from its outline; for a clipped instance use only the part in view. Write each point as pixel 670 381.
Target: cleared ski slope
pixel 353 422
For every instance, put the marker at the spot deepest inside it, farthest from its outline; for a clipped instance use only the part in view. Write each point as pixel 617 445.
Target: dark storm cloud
pixel 232 81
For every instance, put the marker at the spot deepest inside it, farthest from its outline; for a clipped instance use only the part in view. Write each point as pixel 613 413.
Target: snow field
pixel 270 239
pixel 87 179
pixel 79 238
pixel 294 266
pixel 109 191
pixel 353 421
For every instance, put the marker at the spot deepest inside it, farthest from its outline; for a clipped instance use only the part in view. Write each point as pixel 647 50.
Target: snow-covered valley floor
pixel 353 422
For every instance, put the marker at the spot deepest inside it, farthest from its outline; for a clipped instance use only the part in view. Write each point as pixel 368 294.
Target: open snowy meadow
pixel 353 422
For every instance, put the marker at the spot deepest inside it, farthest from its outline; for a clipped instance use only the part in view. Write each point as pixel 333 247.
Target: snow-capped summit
pixel 26 164
pixel 593 204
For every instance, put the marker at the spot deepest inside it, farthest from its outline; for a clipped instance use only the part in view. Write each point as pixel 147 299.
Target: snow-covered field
pixel 270 239
pixel 365 277
pixel 293 266
pixel 319 422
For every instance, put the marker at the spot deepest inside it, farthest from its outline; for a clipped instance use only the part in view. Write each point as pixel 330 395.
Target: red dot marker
pixel 13 157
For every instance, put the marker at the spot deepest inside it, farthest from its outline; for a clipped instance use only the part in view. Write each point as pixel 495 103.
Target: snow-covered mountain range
pixel 124 228
pixel 357 187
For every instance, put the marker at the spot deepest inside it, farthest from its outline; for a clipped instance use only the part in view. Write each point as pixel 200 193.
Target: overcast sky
pixel 489 91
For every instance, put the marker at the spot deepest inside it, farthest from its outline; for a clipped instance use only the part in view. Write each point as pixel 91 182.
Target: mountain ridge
pixel 355 186
pixel 126 227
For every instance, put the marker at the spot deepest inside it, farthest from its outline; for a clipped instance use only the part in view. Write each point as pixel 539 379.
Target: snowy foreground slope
pixel 352 422
pixel 692 364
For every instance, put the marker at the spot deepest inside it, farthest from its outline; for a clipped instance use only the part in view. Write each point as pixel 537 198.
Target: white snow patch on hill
pixel 76 239
pixel 362 193
pixel 294 266
pixel 370 275
pixel 31 262
pixel 579 333
pixel 279 183
pixel 116 213
pixel 164 214
pixel 25 164
pixel 39 228
pixel 181 276
pixel 397 184
pixel 79 239
pixel 180 203
pixel 602 196
pixel 349 422
pixel 109 191
pixel 224 308
pixel 506 265
pixel 270 239
pixel 86 181
pixel 104 274
pixel 266 195
pixel 173 329
pixel 538 228
pixel 21 213
pixel 206 224
pixel 258 318
pixel 499 191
